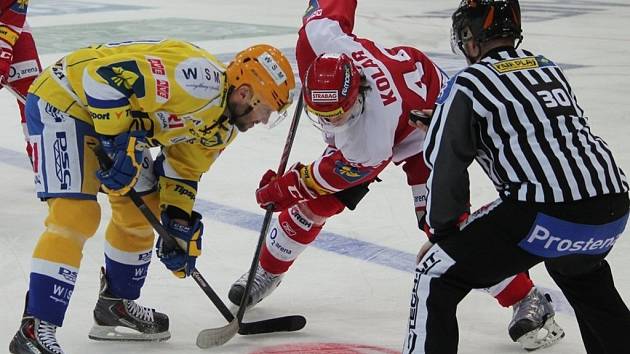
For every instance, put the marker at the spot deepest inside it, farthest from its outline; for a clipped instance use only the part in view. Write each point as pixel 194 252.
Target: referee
pixel 562 198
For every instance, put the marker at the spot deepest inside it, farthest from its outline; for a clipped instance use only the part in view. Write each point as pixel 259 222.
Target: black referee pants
pixel 487 251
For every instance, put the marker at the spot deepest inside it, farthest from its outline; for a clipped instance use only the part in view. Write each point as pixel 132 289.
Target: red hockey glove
pixel 269 176
pixel 6 57
pixel 282 192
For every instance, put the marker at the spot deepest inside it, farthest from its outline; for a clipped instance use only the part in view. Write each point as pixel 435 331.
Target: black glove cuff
pixel 174 212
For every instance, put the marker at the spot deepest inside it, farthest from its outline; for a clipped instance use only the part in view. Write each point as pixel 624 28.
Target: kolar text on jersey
pixel 382 83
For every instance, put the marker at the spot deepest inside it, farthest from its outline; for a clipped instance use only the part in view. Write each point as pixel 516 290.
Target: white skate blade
pixel 119 333
pixel 549 334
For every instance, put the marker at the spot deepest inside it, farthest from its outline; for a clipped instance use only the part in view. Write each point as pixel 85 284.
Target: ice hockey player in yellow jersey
pixel 122 98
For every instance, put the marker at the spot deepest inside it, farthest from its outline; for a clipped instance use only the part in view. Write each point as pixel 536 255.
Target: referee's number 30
pixel 554 98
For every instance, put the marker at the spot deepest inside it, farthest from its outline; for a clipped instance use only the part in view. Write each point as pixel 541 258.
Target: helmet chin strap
pixel 232 116
pixel 470 59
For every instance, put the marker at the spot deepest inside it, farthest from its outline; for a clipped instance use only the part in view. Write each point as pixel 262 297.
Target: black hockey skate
pixel 533 324
pixel 35 337
pixel 119 319
pixel 264 284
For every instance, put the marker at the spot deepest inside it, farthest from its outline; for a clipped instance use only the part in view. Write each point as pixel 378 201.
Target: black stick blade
pixel 278 324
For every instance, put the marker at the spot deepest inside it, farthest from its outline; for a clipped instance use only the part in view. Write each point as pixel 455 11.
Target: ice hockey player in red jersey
pixel 360 94
pixel 19 62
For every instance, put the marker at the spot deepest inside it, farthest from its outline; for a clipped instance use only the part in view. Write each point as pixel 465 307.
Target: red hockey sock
pixel 518 288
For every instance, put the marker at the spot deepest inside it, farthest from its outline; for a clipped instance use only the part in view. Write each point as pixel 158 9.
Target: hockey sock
pixel 57 257
pixel 128 247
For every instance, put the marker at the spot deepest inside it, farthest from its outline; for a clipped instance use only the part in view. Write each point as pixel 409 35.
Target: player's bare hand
pixel 423 250
pixel 420 118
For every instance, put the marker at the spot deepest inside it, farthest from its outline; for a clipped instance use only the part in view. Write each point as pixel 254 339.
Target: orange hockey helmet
pixel 268 72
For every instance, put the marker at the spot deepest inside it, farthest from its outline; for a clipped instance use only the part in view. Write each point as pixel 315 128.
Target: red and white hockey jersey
pixel 12 17
pixel 400 79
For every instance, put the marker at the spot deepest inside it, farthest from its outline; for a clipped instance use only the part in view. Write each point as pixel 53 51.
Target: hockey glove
pixel 181 259
pixel 436 237
pixel 282 192
pixel 6 57
pixel 125 151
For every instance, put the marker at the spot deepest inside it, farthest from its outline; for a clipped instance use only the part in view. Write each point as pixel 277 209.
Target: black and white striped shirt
pixel 516 114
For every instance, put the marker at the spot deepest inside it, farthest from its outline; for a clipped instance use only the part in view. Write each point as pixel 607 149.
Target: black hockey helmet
pixel 486 20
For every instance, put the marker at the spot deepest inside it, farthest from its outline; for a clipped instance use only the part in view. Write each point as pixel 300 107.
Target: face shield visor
pixel 338 120
pixel 274 117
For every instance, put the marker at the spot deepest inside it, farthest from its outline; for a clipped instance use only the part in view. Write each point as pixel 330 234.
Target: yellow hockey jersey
pixel 174 90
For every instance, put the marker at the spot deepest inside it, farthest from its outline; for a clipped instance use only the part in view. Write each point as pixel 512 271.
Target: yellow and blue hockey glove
pixel 125 150
pixel 181 259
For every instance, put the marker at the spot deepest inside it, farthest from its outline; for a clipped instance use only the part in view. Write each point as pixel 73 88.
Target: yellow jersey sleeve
pixel 180 167
pixel 108 88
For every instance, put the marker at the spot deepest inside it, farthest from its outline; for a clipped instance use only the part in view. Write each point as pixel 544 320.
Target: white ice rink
pixel 353 285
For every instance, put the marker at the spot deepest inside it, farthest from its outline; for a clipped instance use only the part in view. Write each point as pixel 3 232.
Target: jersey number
pixel 413 79
pixel 554 98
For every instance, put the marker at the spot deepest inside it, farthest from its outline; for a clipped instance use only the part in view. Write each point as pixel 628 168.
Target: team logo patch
pixel 125 77
pixel 507 66
pixel 551 237
pixel 349 173
pixel 312 10
pixel 20 6
pixel 325 96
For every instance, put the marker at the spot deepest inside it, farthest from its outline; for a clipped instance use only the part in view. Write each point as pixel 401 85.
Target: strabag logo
pixel 551 237
pixel 325 96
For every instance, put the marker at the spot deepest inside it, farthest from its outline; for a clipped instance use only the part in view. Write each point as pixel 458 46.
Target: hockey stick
pixel 287 323
pixel 219 336
pixel 17 95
